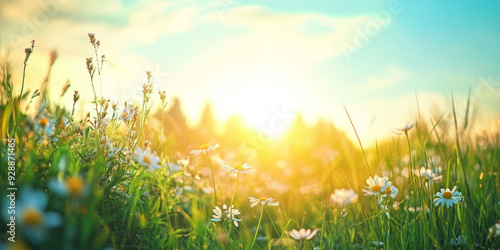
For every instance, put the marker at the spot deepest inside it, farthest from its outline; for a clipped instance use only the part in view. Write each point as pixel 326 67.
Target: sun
pixel 256 95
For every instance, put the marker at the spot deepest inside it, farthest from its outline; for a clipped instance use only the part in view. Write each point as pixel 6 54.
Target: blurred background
pixel 250 62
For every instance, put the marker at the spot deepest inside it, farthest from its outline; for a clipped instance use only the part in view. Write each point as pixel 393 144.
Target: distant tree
pixel 175 126
pixel 206 126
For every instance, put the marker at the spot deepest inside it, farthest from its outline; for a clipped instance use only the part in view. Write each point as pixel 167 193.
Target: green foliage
pixel 106 187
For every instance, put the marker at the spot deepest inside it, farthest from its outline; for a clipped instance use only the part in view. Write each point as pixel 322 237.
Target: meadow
pixel 135 176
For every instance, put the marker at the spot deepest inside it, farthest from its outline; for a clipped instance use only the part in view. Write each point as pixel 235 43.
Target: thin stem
pixel 20 98
pixel 411 173
pixel 28 53
pixel 258 225
pixel 235 187
pixel 24 74
pixel 231 205
pixel 359 140
pixel 162 122
pixel 213 177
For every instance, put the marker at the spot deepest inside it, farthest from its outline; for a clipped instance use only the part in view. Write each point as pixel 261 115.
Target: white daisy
pixel 303 234
pixel 495 230
pixel 237 169
pixel 448 197
pixel 403 129
pixel 183 162
pixel 173 168
pixel 204 149
pixel 229 213
pixel 263 200
pixel 343 197
pixel 148 159
pixel 31 217
pixel 73 186
pixel 391 191
pixel 429 174
pixel 376 185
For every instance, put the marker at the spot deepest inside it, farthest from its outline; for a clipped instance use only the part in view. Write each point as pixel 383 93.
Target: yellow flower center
pixel 262 198
pixel 44 122
pixel 124 114
pixel 238 167
pixel 376 188
pixel 61 125
pixel 146 160
pixel 204 146
pixel 32 217
pixel 19 246
pixel 75 186
pixel 388 190
pixel 447 195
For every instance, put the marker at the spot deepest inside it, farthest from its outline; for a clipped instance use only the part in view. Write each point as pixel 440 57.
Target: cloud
pixel 307 35
pixel 391 76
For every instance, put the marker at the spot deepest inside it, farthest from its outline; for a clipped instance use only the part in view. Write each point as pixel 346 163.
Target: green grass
pixel 105 197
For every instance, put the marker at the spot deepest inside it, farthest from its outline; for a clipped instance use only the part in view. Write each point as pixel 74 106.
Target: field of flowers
pixel 132 176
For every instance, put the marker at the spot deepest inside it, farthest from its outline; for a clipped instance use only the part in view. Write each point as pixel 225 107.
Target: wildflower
pixel 448 197
pixel 92 38
pixel 65 122
pixel 183 162
pixel 377 243
pixel 173 168
pixel 376 185
pixel 207 190
pixel 163 95
pixel 163 98
pixel 44 122
pixel 263 200
pixel 73 186
pixel 76 96
pixel 104 123
pixel 229 213
pixel 105 142
pixel 495 230
pixel 28 52
pixel 403 129
pixel 90 66
pixel 459 241
pixel 391 191
pixel 113 151
pixel 147 144
pixel 303 234
pixel 45 126
pixel 127 114
pixel 148 159
pixel 313 188
pixel 237 169
pixel 429 174
pixel 31 217
pixel 343 197
pixel 204 149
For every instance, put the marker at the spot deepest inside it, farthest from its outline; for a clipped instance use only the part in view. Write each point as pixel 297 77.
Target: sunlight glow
pixel 255 94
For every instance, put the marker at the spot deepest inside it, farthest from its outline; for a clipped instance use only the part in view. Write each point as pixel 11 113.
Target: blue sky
pixel 250 57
